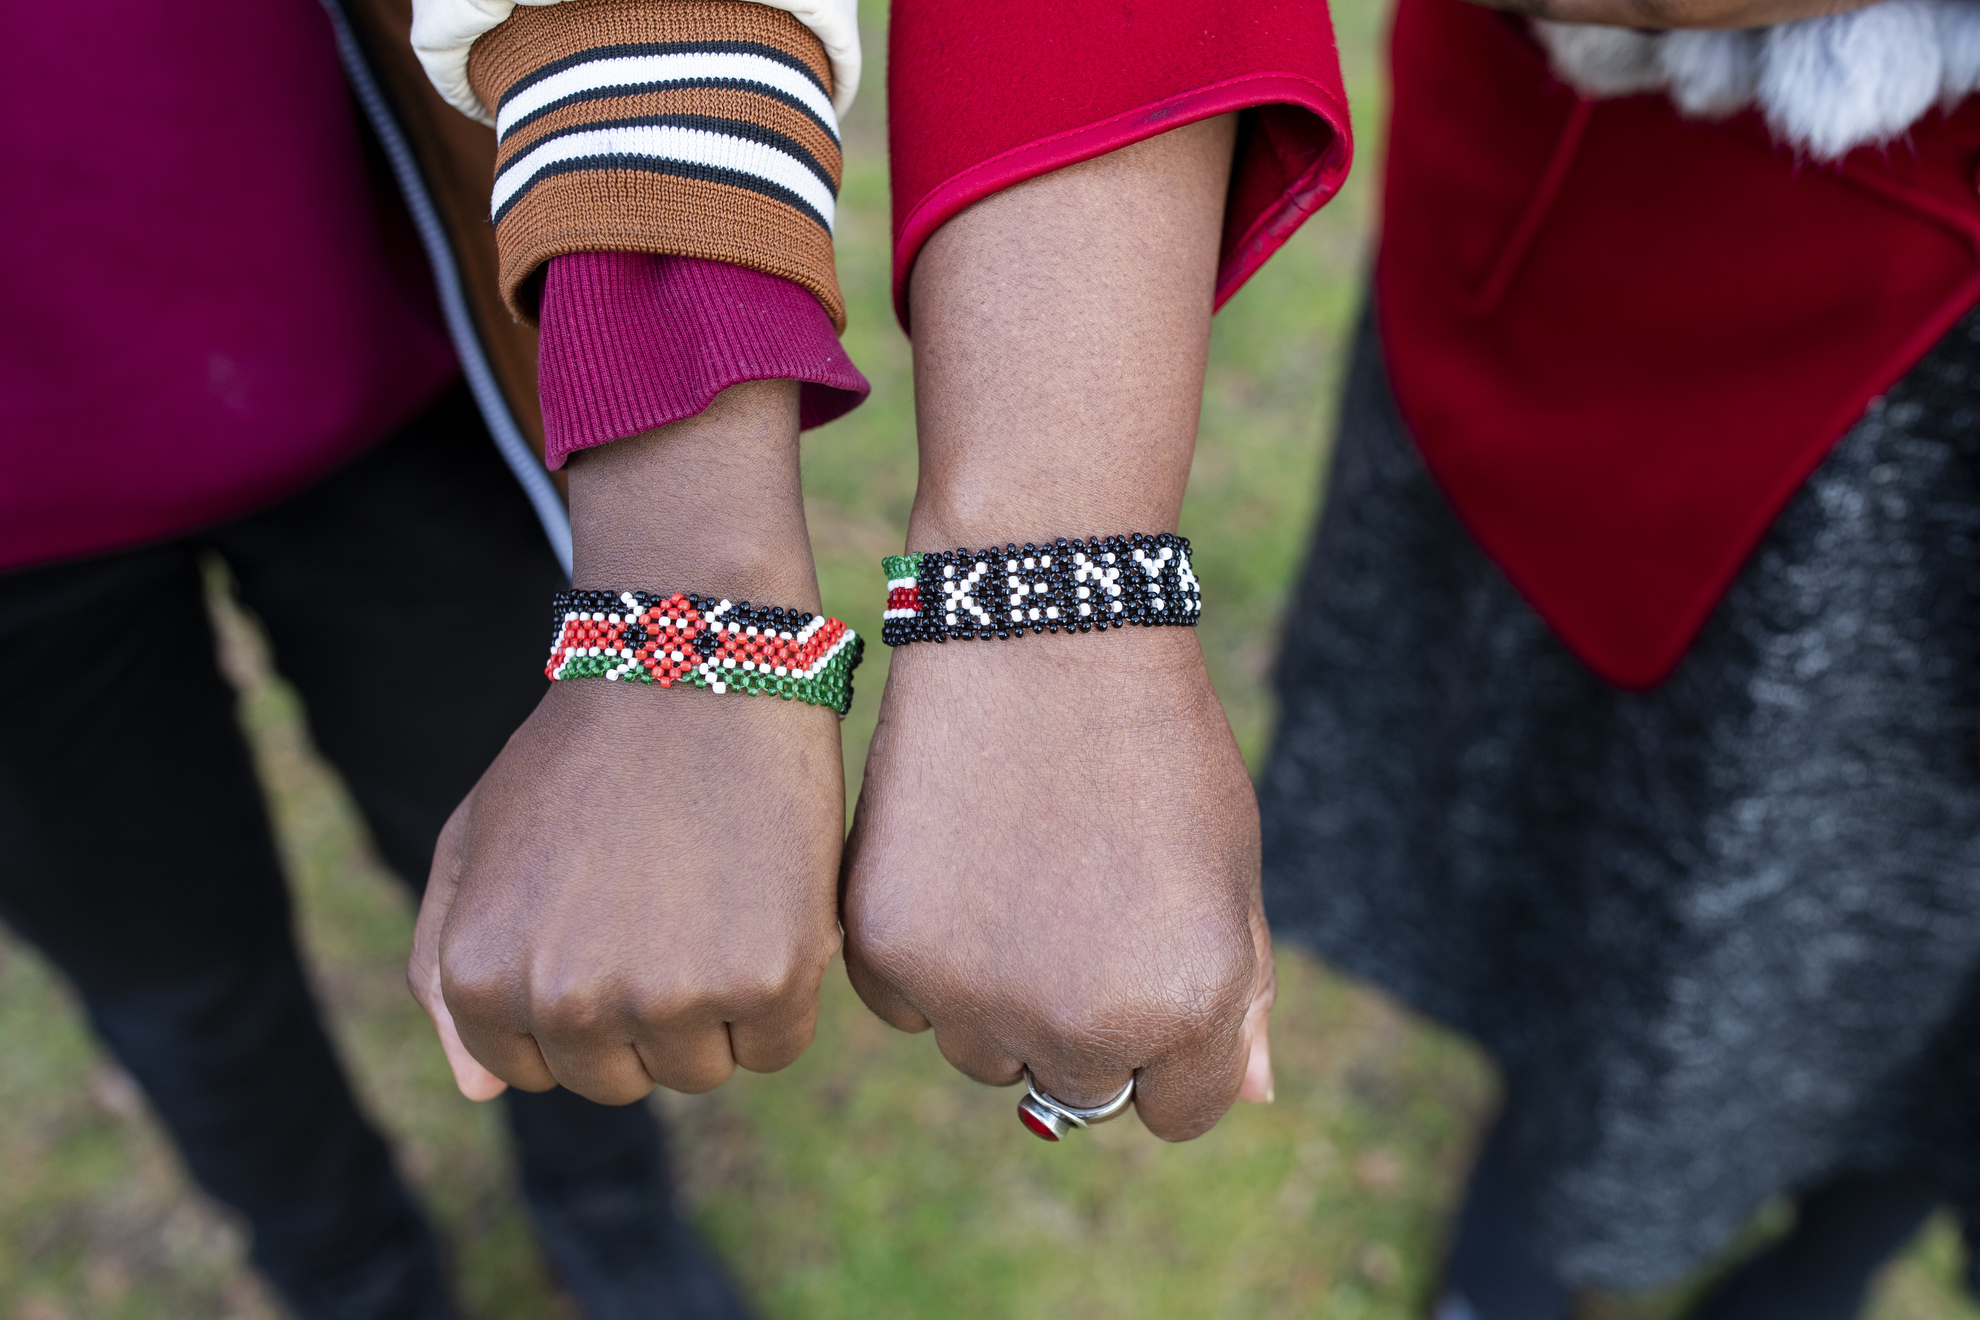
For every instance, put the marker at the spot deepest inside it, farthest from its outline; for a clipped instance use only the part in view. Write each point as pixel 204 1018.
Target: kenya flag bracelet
pixel 1100 582
pixel 637 636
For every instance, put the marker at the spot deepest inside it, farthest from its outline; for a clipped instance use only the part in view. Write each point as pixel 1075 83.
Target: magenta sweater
pixel 209 307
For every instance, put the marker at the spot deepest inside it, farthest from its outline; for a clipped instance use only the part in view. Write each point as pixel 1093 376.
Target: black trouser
pixel 406 598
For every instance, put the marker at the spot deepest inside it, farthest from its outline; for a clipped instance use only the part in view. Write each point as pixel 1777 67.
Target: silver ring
pixel 1051 1118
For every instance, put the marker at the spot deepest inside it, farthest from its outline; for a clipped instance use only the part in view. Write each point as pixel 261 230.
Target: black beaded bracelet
pixel 1077 586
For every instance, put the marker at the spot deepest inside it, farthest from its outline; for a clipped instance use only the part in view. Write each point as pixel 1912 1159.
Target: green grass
pixel 869 1180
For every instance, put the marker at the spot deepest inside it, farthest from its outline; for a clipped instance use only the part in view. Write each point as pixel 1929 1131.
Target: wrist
pixel 978 512
pixel 712 504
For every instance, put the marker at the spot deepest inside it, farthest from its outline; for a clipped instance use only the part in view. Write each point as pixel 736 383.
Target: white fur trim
pixel 444 31
pixel 1826 85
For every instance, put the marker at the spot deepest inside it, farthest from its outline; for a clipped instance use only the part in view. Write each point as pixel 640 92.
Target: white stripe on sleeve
pixel 689 146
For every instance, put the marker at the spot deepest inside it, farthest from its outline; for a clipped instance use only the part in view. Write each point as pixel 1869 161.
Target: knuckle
pixel 567 1011
pixel 476 992
pixel 756 990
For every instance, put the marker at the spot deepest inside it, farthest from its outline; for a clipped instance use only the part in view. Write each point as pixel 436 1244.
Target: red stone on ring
pixel 1038 1126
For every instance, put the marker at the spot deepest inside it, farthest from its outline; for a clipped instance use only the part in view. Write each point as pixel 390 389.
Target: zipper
pixel 487 392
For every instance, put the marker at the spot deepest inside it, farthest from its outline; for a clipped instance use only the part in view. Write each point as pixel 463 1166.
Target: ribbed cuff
pixel 632 341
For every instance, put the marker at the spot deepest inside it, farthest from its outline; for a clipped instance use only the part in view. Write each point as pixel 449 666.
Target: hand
pixel 1657 15
pixel 1055 863
pixel 641 889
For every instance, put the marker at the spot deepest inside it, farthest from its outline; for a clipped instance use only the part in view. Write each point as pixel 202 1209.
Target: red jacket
pixel 978 102
pixel 1622 339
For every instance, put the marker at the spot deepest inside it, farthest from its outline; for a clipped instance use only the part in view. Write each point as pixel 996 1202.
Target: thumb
pixel 1257 1086
pixel 423 968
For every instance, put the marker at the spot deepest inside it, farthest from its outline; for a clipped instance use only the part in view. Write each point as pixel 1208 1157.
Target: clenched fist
pixel 1055 864
pixel 641 890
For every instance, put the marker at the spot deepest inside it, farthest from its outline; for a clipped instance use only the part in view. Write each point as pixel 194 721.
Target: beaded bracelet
pixel 718 645
pixel 1100 582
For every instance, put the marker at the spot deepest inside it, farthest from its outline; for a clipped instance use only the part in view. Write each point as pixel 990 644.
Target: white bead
pixel 1082 592
pixel 1051 611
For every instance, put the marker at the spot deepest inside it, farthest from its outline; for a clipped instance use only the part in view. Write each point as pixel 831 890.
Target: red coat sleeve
pixel 982 97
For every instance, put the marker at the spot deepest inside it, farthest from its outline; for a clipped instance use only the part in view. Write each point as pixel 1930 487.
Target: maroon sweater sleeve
pixel 632 341
pixel 982 99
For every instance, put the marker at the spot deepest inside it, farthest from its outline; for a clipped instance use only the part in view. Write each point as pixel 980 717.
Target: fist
pixel 640 891
pixel 1054 864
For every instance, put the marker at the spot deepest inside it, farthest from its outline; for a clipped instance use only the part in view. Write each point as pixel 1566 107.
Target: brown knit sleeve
pixel 698 128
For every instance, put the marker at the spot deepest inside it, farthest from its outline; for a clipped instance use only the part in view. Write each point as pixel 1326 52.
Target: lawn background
pixel 869 1180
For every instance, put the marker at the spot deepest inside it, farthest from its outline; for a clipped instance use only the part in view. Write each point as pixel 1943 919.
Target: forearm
pixel 1060 333
pixel 710 504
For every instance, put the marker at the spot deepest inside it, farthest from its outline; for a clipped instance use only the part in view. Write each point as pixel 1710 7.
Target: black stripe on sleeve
pixel 745 129
pixel 678 169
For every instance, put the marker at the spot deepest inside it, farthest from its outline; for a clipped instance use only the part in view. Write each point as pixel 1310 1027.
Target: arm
pixel 641 889
pixel 1055 858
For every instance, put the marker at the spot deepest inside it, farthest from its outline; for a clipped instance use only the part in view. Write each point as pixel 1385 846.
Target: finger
pixel 1083 1087
pixel 423 968
pixel 1182 1095
pixel 1257 1087
pixel 690 1059
pixel 974 1056
pixel 771 1041
pixel 879 995
pixel 475 1082
pixel 608 1070
pixel 504 1048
